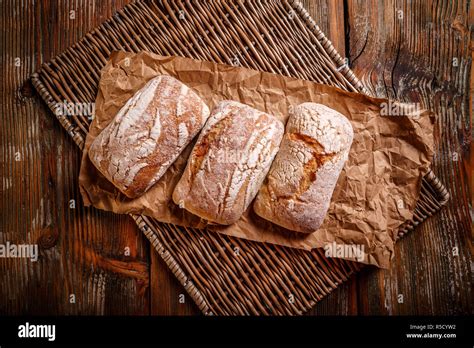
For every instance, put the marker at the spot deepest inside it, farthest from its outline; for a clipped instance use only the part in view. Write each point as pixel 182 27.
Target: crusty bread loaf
pixel 229 162
pixel 298 189
pixel 147 134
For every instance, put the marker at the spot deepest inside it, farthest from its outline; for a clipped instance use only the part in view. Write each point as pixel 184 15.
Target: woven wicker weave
pixel 223 275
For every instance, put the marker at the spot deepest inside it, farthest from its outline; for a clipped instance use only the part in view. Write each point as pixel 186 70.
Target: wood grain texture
pixel 82 249
pixel 420 51
pixel 329 16
pixel 168 296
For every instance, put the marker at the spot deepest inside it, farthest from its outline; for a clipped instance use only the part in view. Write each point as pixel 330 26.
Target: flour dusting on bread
pixel 300 183
pixel 148 134
pixel 229 162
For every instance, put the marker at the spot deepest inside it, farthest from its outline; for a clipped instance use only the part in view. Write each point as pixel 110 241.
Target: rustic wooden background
pixel 411 50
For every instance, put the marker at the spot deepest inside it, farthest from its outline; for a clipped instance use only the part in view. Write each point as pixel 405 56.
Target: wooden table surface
pixel 418 51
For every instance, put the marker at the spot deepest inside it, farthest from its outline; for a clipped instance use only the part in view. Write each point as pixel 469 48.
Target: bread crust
pixel 298 189
pixel 148 134
pixel 229 162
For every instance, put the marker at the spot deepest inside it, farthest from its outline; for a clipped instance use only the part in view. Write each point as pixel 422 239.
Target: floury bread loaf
pixel 229 162
pixel 298 189
pixel 148 134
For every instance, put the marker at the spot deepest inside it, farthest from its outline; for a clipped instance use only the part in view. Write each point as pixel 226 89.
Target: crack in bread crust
pixel 204 143
pixel 310 168
pixel 148 134
pixel 299 186
pixel 219 188
pixel 229 199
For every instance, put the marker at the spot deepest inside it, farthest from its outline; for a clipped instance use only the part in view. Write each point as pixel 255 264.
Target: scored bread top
pixel 300 183
pixel 148 134
pixel 229 162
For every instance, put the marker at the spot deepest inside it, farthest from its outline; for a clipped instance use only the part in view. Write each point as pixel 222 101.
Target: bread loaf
pixel 229 162
pixel 297 191
pixel 148 134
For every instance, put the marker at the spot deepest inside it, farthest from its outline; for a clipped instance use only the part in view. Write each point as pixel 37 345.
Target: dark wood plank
pixel 168 296
pixel 329 16
pixel 81 249
pixel 419 51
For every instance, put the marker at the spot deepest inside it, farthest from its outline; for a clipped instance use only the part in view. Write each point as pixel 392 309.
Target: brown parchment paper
pixel 376 192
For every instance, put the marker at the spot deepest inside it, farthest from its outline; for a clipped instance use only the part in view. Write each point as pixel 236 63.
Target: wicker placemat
pixel 223 275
